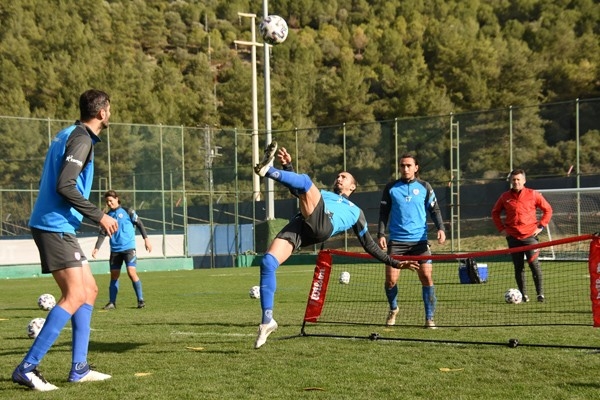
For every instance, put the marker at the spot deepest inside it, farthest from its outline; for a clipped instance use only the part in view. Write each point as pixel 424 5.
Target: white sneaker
pixel 429 324
pixel 391 319
pixel 33 380
pixel 263 166
pixel 89 376
pixel 264 330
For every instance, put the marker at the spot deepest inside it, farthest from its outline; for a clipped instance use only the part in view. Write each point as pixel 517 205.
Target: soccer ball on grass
pixel 46 302
pixel 254 292
pixel 345 278
pixel 513 296
pixel 273 29
pixel 34 327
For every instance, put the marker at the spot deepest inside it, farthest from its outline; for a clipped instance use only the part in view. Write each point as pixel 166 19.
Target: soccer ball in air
pixel 345 277
pixel 513 296
pixel 34 327
pixel 46 302
pixel 254 292
pixel 273 29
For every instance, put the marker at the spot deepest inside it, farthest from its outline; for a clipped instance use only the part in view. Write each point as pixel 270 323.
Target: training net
pixel 333 305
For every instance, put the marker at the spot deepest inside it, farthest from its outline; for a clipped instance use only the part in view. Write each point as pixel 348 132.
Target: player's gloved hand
pixel 412 265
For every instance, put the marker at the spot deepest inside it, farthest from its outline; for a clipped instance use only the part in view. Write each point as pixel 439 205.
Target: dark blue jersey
pixel 124 238
pixel 404 209
pixel 66 182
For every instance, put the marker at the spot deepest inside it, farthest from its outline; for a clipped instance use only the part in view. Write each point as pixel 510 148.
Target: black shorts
pixel 315 229
pixel 127 256
pixel 410 249
pixel 58 250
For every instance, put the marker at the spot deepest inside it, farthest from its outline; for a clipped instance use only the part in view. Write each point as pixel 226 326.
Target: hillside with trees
pixel 345 61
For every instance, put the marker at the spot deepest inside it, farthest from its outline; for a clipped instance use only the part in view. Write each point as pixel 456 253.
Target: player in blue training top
pixel 323 214
pixel 405 204
pixel 122 248
pixel 61 204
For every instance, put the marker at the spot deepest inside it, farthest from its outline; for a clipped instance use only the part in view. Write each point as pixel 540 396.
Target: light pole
pixel 253 44
pixel 270 204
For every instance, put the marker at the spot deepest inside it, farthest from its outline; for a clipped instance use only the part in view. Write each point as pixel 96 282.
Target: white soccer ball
pixel 273 29
pixel 345 277
pixel 254 292
pixel 513 296
pixel 34 327
pixel 46 302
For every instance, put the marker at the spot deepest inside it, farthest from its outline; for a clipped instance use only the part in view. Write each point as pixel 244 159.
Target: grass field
pixel 194 340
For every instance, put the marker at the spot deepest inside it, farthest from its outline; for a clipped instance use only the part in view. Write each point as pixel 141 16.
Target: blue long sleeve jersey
pixel 404 208
pixel 66 182
pixel 124 238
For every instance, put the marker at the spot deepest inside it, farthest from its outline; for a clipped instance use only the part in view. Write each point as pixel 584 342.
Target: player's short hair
pixel 91 102
pixel 415 159
pixel 517 172
pixel 354 181
pixel 112 193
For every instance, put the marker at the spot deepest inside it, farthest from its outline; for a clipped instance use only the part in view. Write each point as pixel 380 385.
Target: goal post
pixel 575 211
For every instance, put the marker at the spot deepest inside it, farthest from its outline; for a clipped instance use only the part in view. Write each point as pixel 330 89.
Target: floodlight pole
pixel 270 204
pixel 255 151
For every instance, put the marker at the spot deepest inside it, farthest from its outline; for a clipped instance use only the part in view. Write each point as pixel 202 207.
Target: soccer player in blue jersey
pixel 61 204
pixel 122 248
pixel 405 204
pixel 323 214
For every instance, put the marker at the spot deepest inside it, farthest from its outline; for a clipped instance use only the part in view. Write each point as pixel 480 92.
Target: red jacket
pixel 520 208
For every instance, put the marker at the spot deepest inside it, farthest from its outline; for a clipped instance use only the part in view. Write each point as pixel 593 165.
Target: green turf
pixel 194 340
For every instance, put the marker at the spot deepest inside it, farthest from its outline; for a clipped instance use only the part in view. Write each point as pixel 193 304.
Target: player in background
pixel 404 206
pixel 61 204
pixel 323 214
pixel 122 248
pixel 521 228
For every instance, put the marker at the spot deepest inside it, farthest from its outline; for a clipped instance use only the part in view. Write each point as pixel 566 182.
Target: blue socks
pixel 80 321
pixel 137 286
pixel 268 285
pixel 429 300
pixel 56 320
pixel 291 180
pixel 392 296
pixel 113 289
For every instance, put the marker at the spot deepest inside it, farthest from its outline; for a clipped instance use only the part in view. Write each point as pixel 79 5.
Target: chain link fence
pixel 177 176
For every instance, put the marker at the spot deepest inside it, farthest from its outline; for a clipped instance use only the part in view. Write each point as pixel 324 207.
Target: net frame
pixel 575 314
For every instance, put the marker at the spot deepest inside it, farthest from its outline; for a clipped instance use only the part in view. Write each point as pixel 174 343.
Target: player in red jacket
pixel 521 227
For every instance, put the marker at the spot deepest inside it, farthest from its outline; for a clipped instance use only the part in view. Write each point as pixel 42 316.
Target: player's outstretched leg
pixel 263 166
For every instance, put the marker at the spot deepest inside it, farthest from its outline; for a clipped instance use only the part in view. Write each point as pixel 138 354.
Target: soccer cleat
pixel 263 166
pixel 141 304
pixel 541 298
pixel 33 380
pixel 88 375
pixel 525 298
pixel 109 306
pixel 264 330
pixel 391 319
pixel 429 324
